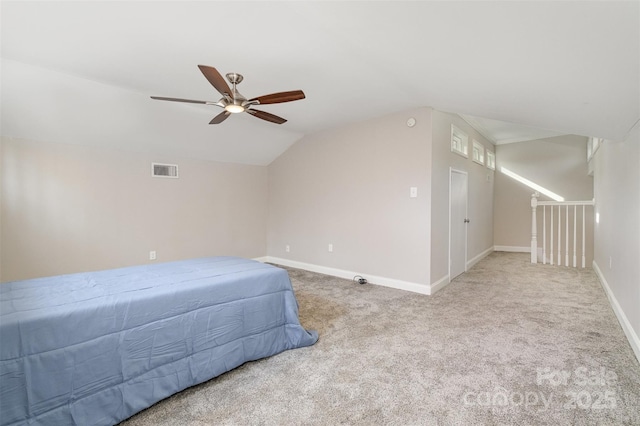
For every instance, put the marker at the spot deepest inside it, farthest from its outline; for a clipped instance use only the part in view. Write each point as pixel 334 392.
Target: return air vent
pixel 164 170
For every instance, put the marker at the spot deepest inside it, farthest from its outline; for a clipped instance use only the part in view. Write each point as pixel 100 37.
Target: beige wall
pixel 558 164
pixel 480 194
pixel 617 235
pixel 350 187
pixel 67 208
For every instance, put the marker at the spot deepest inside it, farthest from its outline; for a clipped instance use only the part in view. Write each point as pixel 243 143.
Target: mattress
pixel 95 348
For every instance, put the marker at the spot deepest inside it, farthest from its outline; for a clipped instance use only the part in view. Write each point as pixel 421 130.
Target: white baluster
pixel 559 235
pixel 551 243
pixel 566 236
pixel 584 258
pixel 544 235
pixel 575 208
pixel 563 249
pixel 534 242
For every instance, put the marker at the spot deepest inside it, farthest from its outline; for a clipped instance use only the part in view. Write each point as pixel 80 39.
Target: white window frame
pixel 478 152
pixel 491 160
pixel 459 142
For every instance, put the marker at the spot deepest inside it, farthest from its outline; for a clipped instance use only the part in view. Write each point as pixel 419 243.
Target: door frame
pixel 466 174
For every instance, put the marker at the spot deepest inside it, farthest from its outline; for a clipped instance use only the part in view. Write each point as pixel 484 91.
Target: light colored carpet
pixel 506 343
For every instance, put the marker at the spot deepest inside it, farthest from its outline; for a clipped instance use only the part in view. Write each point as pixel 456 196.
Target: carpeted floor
pixel 507 343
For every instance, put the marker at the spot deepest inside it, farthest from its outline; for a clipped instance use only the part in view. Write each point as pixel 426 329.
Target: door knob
pixel 467 221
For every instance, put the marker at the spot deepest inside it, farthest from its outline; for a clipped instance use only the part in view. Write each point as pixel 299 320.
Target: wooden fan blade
pixel 178 100
pixel 276 98
pixel 215 79
pixel 220 117
pixel 266 116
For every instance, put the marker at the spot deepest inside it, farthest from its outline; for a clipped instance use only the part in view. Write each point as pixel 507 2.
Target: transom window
pixel 478 152
pixel 459 142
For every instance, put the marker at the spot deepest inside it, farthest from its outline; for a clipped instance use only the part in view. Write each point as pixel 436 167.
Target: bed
pixel 95 348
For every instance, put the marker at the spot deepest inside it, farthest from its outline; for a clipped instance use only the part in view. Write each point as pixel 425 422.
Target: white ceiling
pixel 502 132
pixel 82 72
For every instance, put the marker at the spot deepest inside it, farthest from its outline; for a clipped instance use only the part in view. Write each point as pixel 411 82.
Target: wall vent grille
pixel 164 170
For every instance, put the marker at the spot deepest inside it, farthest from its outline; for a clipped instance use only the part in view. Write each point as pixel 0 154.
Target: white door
pixel 457 222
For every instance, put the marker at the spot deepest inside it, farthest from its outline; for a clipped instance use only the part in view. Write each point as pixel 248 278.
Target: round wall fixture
pixel 411 122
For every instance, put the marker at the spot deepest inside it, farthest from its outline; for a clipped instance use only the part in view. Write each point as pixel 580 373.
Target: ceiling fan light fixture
pixel 233 102
pixel 234 108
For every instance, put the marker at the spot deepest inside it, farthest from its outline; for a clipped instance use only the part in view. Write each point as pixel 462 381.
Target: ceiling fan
pixel 233 102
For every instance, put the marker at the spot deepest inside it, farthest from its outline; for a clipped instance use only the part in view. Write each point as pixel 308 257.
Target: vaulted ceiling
pixel 82 72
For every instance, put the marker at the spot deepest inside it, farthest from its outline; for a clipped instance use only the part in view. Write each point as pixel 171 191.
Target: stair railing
pixel 558 209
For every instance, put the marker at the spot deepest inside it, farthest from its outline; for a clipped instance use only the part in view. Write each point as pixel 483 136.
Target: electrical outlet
pixel 152 255
pixel 413 192
pixel 287 248
pixel 330 248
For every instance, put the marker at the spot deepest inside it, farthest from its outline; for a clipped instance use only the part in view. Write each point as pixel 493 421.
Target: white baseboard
pixel 513 249
pixel 479 257
pixel 517 249
pixel 263 259
pixel 444 281
pixel 440 284
pixel 341 273
pixel 632 337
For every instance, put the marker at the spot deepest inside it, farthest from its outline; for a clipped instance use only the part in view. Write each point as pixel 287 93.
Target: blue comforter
pixel 96 348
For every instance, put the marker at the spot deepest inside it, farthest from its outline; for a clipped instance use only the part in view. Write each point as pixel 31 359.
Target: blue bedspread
pixel 96 348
